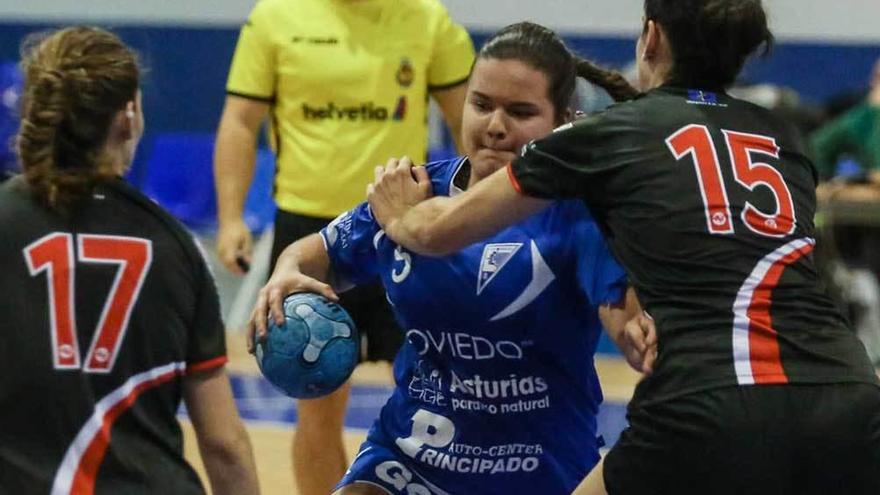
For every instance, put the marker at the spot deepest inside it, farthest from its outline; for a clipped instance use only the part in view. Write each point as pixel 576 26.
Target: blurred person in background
pixel 846 151
pixel 853 136
pixel 110 315
pixel 345 85
pixel 785 102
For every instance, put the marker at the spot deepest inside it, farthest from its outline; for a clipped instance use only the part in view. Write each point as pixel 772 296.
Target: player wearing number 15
pixel 760 386
pixel 109 315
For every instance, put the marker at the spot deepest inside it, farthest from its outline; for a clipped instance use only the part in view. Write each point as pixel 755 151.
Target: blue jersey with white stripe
pixel 496 391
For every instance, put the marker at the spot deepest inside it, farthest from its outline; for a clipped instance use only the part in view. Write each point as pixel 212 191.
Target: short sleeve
pixel 452 54
pixel 351 245
pixel 252 73
pixel 577 160
pixel 207 336
pixel 598 273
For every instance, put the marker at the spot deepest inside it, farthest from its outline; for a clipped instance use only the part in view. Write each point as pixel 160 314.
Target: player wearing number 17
pixel 109 315
pixel 760 385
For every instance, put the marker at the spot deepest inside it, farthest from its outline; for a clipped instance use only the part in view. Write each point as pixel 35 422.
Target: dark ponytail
pixel 76 80
pixel 611 81
pixel 711 39
pixel 542 49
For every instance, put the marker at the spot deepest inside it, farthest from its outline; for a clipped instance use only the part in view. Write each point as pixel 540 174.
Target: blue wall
pixel 184 79
pixel 817 71
pixel 187 66
pixel 185 70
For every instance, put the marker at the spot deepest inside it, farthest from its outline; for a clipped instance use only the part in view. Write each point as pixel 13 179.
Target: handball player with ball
pixel 495 387
pixel 313 351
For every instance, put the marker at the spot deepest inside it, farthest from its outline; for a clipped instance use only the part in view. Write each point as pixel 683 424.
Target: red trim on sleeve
pixel 206 365
pixel 516 184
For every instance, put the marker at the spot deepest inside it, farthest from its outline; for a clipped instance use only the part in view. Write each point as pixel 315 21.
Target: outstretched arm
pixel 303 266
pixel 234 159
pixel 443 225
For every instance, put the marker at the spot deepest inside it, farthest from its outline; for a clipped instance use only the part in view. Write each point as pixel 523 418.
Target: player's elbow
pixel 229 460
pixel 226 451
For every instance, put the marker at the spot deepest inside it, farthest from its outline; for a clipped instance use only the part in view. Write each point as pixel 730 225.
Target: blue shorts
pixel 389 470
pixel 512 468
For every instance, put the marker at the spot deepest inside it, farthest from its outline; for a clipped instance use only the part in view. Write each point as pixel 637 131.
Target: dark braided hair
pixel 76 80
pixel 611 81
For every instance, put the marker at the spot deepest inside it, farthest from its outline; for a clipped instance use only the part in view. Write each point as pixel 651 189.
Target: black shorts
pixel 381 337
pixel 754 440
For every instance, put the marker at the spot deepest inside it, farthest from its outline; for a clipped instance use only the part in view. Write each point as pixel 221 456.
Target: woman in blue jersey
pixel 496 391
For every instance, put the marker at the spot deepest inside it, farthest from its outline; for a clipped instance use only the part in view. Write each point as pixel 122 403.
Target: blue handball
pixel 314 352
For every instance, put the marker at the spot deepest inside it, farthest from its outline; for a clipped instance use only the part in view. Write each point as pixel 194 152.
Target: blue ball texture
pixel 314 352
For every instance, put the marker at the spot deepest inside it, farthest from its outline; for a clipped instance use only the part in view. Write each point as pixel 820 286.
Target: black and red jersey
pixel 708 202
pixel 103 311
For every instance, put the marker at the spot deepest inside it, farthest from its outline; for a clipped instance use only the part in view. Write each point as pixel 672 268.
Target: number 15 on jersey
pixel 696 141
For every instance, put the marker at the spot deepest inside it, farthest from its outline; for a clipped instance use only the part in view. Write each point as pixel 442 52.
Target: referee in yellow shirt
pixel 345 85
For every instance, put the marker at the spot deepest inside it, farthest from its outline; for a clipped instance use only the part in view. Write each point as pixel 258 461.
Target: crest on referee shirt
pixel 495 256
pixel 405 73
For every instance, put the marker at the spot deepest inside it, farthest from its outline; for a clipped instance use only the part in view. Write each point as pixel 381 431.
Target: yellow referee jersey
pixel 348 81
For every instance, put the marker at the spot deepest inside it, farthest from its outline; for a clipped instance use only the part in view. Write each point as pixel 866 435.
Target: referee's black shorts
pixel 752 440
pixel 381 337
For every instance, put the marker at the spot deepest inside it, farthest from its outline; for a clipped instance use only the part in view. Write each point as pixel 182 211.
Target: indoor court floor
pixel 270 417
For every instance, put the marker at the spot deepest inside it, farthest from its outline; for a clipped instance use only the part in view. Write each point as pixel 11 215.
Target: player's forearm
pixel 427 228
pixel 223 442
pixel 234 159
pixel 307 256
pixel 230 465
pixel 443 225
